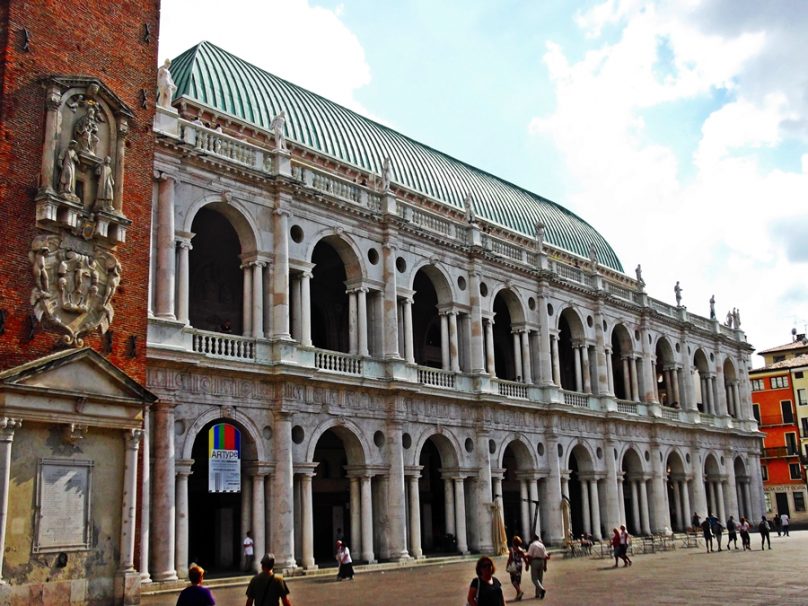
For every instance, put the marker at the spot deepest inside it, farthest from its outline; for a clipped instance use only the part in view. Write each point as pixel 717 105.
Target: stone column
pixel 390 305
pixel 586 513
pixel 396 495
pixel 120 160
pixel 444 340
pixel 613 516
pixel 258 515
pixel 460 510
pixel 448 500
pixel 415 517
pixel 128 501
pixel 306 512
pixel 408 344
pixel 553 524
pixel 677 499
pixel 594 502
pixel 362 321
pixel 162 534
pixel 635 505
pixel 305 309
pixel 676 395
pixel 699 494
pixel 280 292
pixel 145 497
pixel 7 428
pixel 609 372
pixel 258 300
pixel 454 350
pixel 646 526
pixel 166 251
pixel 184 246
pixel 722 511
pixel 477 356
pixel 659 494
pixel 635 390
pixel 367 520
pixel 525 510
pixel 602 362
pixel 247 300
pixel 545 347
pixel 484 493
pixel 183 469
pixel 283 528
pixel 534 506
pixel 517 355
pixel 626 378
pixel 527 374
pixel 621 500
pixel 586 369
pixel 576 356
pixel 685 504
pixel 555 360
pixel 490 363
pixel 736 399
pixel 46 180
pixel 356 513
pixel 246 514
pixel 353 337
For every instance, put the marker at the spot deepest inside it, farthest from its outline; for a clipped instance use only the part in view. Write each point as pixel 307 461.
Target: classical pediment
pixel 82 373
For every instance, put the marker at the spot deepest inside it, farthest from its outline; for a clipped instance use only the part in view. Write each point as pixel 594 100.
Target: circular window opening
pixel 687 457
pixel 589 321
pixel 406 440
pixel 492 446
pixel 401 265
pixel 484 289
pixel 550 309
pixel 297 233
pixel 469 445
pixel 540 449
pixel 531 303
pixel 712 357
pixel 615 454
pixel 373 256
pixel 678 348
pixel 604 325
pixel 179 427
pixel 599 452
pixel 461 283
pixel 636 335
pixel 267 432
pixel 722 461
pixel 298 434
pixel 560 451
pixel 378 439
pixel 660 456
pixel 647 456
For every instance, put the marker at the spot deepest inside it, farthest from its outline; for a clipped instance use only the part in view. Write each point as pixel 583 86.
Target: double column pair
pixel 681 497
pixel 455 509
pixel 708 394
pixel 630 382
pixel 450 349
pixel 672 375
pixel 715 496
pixel 639 502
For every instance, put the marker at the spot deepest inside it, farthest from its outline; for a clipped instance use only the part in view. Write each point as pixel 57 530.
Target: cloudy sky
pixel 678 129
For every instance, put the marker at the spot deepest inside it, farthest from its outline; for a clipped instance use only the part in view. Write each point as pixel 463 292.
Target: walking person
pixel 718 529
pixel 776 520
pixel 763 529
pixel 516 562
pixel 196 595
pixel 784 522
pixel 746 541
pixel 537 557
pixel 625 541
pixel 695 521
pixel 485 588
pixel 732 535
pixel 708 534
pixel 616 546
pixel 267 588
pixel 343 556
pixel 248 546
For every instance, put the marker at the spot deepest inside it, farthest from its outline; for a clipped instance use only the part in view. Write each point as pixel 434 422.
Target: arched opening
pixel 572 365
pixel 633 481
pixel 742 489
pixel 436 494
pixel 581 474
pixel 215 275
pixel 665 375
pixel 677 491
pixel 329 300
pixel 622 364
pixel 731 389
pixel 516 487
pixel 701 382
pixel 713 487
pixel 217 519
pixel 504 362
pixel 426 327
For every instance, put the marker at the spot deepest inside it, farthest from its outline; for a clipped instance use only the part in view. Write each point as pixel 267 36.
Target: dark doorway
pixel 782 503
pixel 331 499
pixel 433 508
pixel 329 300
pixel 426 332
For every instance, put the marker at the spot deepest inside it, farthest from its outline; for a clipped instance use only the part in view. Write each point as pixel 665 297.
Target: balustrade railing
pixel 700 322
pixel 569 273
pixel 223 346
pixel 432 223
pixel 663 308
pixel 670 414
pixel 334 361
pixel 619 291
pixel 435 377
pixel 627 407
pixel 504 249
pixel 219 144
pixel 512 389
pixel 574 398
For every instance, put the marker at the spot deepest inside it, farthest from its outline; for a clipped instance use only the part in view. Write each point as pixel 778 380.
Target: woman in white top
pixel 345 563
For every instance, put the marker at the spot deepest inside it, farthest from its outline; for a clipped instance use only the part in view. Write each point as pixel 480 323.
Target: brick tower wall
pixel 100 39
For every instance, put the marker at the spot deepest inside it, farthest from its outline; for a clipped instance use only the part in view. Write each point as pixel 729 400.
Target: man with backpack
pixel 763 529
pixel 267 588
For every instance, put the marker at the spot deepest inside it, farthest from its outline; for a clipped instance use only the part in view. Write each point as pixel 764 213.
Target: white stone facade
pixel 632 410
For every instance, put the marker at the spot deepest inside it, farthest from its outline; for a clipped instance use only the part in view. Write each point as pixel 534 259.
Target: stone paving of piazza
pixel 683 576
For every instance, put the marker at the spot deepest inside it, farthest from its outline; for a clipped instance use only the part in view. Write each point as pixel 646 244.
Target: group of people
pixel 486 589
pixel 712 528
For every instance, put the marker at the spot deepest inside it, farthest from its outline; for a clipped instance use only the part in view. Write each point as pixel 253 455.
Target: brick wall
pixel 94 38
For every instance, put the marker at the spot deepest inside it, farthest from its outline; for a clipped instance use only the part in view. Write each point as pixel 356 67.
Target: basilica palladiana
pixel 404 351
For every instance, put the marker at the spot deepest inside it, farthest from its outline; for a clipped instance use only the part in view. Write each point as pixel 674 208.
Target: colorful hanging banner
pixel 224 458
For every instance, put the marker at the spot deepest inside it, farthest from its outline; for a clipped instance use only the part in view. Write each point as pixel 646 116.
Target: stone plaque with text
pixel 63 505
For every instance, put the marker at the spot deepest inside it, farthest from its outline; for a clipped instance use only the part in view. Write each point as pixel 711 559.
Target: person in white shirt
pixel 537 556
pixel 249 552
pixel 343 556
pixel 784 523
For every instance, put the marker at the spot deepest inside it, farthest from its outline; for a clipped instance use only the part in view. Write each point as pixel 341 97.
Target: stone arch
pixel 665 375
pixel 255 444
pixel 574 320
pixel 523 451
pixel 678 497
pixel 440 279
pixel 583 454
pixel 571 336
pixel 632 462
pixel 633 468
pixel 625 375
pixel 237 214
pixel 446 443
pixel 518 461
pixel 346 248
pixel 356 447
pixel 508 316
pixel 731 387
pixel 432 295
pixel 581 465
pixel 513 301
pixel 701 374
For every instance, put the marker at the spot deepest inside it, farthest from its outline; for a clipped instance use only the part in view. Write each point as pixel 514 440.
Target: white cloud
pixel 307 45
pixel 720 229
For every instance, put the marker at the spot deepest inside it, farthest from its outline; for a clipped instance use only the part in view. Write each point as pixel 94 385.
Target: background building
pixel 408 348
pixel 77 82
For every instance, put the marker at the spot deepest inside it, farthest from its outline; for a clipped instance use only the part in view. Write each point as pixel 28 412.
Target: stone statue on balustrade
pixel 165 85
pixel 638 272
pixel 277 127
pixel 471 213
pixel 593 257
pixel 677 290
pixel 540 233
pixel 387 173
pixel 712 307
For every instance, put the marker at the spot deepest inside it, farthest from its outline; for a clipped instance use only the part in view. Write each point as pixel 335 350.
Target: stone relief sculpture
pixel 106 187
pixel 165 85
pixel 277 127
pixel 68 160
pixel 85 130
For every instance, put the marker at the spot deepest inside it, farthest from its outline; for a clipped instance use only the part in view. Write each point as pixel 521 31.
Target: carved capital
pixel 7 428
pixel 74 433
pixel 133 437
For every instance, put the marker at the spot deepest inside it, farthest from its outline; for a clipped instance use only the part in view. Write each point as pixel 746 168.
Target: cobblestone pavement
pixel 683 576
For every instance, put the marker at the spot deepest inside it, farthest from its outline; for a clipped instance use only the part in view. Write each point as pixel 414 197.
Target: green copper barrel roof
pixel 210 75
